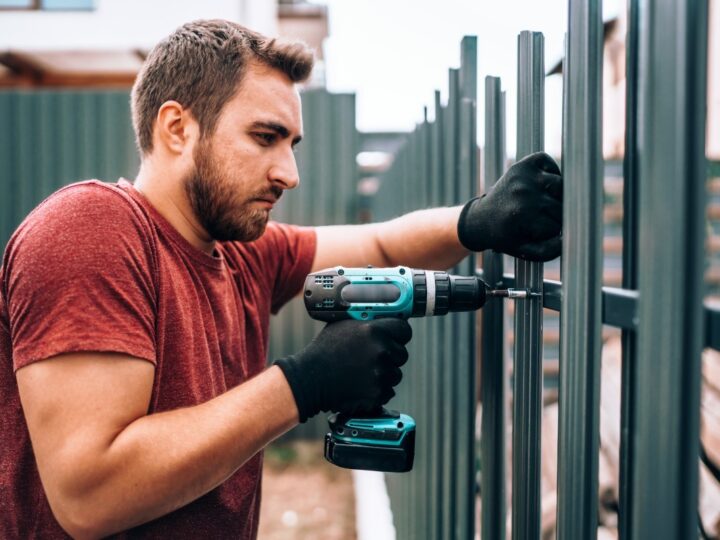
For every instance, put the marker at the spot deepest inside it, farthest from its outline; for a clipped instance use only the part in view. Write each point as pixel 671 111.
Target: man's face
pixel 242 168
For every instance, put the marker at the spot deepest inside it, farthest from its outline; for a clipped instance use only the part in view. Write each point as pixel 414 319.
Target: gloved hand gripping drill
pixel 353 364
pixel 375 438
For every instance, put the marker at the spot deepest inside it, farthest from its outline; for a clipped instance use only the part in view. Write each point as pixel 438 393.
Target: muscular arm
pixel 106 465
pixel 521 216
pixel 421 239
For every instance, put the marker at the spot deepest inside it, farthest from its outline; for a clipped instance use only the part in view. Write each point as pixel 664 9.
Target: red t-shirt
pixel 96 268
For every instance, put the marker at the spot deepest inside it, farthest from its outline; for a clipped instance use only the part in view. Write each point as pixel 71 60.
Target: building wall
pixel 116 24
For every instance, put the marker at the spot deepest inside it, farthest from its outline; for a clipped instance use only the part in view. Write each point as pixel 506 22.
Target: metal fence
pixel 438 167
pixel 659 306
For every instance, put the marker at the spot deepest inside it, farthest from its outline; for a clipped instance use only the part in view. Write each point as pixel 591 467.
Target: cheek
pixel 242 165
pixel 239 160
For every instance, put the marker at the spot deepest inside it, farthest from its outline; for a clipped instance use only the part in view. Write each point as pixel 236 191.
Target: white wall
pixel 118 24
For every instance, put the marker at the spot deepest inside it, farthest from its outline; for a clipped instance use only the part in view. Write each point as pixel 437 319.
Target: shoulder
pixel 88 215
pixel 86 201
pixel 91 204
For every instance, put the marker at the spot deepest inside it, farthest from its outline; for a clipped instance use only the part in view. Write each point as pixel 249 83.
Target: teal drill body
pixel 369 293
pixel 383 440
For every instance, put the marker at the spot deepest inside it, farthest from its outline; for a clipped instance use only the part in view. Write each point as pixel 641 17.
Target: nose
pixel 284 172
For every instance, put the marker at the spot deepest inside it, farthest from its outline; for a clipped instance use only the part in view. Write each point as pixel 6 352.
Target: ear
pixel 176 129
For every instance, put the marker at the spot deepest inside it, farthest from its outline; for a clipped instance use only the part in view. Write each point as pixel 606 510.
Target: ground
pixel 304 496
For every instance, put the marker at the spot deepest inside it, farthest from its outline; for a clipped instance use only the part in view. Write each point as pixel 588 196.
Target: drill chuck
pixel 446 293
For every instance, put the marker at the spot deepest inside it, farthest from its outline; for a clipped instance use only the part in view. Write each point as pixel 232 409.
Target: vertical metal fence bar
pixel 424 438
pixel 580 316
pixel 492 383
pixel 438 332
pixel 449 351
pixel 410 181
pixel 415 178
pixel 629 270
pixel 672 101
pixel 467 187
pixel 527 379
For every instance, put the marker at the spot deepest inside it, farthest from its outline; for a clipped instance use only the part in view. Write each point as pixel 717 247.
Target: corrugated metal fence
pixel 659 307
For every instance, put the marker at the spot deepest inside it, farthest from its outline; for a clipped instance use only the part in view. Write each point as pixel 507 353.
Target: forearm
pixel 423 239
pixel 420 239
pixel 163 461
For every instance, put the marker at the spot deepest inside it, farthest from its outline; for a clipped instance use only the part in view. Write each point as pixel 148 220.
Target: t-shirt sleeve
pixel 78 278
pixel 285 253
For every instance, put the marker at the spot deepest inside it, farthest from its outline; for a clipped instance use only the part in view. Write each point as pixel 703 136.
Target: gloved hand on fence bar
pixel 350 366
pixel 521 215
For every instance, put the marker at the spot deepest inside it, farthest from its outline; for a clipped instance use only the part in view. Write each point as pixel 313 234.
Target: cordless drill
pixel 384 440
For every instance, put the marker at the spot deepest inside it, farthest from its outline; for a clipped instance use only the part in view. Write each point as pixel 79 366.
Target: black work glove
pixel 521 215
pixel 350 366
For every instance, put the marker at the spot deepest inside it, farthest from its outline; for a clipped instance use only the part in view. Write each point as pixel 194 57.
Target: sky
pixel 395 53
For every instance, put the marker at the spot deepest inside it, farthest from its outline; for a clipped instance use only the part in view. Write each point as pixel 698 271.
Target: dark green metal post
pixel 581 315
pixel 466 401
pixel 671 136
pixel 438 331
pixel 492 379
pixel 527 379
pixel 449 181
pixel 629 271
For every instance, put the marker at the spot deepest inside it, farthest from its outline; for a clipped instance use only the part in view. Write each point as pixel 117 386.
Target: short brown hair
pixel 201 66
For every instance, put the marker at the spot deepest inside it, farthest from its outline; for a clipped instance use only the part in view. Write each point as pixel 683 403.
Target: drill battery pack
pixel 381 442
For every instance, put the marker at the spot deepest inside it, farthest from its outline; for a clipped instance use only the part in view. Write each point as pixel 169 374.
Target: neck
pixel 167 195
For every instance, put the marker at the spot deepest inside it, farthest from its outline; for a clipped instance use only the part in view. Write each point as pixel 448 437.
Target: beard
pixel 222 211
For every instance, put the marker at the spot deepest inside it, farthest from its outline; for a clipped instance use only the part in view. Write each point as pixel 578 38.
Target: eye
pixel 266 139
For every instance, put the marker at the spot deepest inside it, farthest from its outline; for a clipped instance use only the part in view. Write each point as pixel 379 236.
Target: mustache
pixel 273 193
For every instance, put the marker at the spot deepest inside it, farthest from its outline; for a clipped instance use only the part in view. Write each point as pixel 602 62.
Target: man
pixel 135 397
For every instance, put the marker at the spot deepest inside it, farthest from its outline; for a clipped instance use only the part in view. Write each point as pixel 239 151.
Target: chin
pixel 247 229
pixel 257 233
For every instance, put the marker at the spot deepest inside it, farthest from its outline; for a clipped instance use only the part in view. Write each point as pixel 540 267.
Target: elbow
pixel 81 517
pixel 78 523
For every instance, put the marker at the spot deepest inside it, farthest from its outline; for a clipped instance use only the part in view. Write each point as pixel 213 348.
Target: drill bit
pixel 511 293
